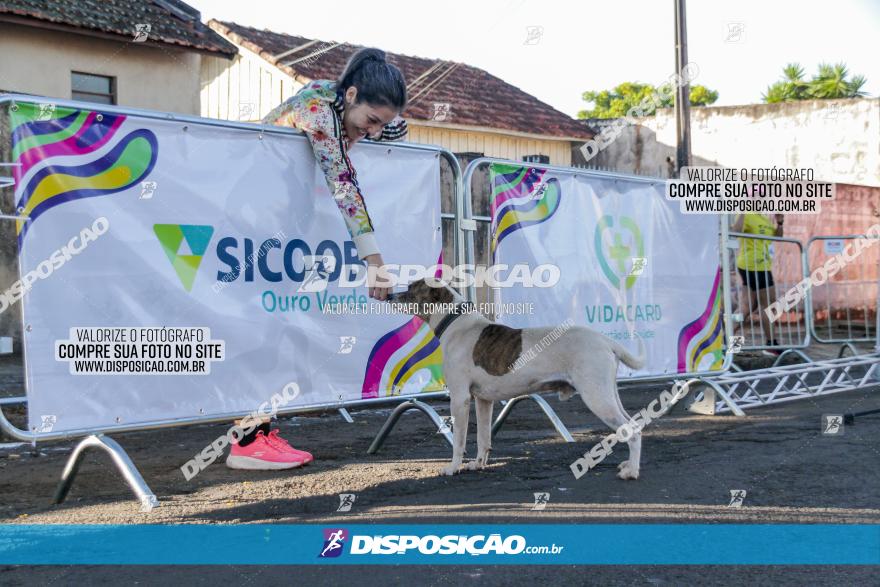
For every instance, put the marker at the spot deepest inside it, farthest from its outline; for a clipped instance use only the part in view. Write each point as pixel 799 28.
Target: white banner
pixel 630 263
pixel 177 269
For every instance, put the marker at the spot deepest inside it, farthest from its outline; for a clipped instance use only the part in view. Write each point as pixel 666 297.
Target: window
pixel 545 159
pixel 92 88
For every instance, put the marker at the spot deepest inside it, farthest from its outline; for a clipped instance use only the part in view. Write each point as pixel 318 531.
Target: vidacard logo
pixel 184 245
pixel 616 251
pixel 334 542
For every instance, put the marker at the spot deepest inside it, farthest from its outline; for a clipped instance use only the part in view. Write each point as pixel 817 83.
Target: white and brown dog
pixel 485 360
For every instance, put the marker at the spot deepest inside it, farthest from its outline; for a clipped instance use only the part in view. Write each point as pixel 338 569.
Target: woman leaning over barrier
pixel 365 102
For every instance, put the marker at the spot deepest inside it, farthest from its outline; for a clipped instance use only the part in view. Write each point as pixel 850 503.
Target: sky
pixel 557 49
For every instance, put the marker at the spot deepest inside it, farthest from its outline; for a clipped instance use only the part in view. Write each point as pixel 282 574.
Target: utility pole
pixel 682 93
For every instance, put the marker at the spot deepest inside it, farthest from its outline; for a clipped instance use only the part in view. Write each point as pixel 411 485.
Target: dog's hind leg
pixel 604 401
pixel 484 434
pixel 460 407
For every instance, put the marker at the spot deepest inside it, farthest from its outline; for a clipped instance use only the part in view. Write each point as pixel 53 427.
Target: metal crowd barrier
pixel 481 229
pixel 478 238
pixel 465 226
pixel 735 392
pixel 754 294
pixel 840 307
pixel 94 437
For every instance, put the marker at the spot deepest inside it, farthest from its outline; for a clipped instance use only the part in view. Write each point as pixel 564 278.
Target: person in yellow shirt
pixel 755 266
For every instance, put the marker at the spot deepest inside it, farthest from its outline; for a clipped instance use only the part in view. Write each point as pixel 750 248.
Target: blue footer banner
pixel 617 544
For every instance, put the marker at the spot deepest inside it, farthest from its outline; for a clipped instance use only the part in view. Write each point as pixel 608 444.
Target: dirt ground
pixel 791 471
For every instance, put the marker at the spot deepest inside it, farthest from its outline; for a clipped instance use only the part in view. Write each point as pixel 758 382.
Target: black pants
pixel 756 280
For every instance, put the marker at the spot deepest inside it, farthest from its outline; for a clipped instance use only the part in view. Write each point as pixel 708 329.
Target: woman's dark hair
pixel 378 82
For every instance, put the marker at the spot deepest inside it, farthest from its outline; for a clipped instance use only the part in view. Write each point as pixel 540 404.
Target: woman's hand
pixel 779 229
pixel 380 287
pixel 738 223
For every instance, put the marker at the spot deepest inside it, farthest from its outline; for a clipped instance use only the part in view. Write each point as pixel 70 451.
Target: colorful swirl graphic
pixel 399 355
pixel 39 136
pixel 520 197
pixel 402 353
pixel 704 337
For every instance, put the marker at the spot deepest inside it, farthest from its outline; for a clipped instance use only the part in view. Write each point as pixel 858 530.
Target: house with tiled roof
pixel 137 53
pixel 463 108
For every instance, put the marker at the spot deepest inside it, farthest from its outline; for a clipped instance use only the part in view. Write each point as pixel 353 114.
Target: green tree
pixel 829 83
pixel 615 103
pixel 702 96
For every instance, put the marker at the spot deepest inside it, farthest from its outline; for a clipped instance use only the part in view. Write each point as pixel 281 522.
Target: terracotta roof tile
pixel 476 97
pixel 172 21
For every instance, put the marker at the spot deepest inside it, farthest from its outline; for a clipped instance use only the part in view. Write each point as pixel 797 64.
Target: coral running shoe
pixel 275 438
pixel 262 454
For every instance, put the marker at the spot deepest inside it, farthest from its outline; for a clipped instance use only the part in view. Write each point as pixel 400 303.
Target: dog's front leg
pixel 460 407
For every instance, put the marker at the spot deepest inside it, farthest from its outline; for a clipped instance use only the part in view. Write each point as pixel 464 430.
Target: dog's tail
pixel 627 358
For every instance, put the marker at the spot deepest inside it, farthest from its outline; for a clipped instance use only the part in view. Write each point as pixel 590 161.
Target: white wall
pixel 839 139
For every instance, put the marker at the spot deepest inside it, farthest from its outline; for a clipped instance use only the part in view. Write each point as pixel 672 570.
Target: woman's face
pixel 363 120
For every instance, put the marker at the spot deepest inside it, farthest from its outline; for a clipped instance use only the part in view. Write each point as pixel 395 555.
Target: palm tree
pixel 829 83
pixel 855 87
pixel 793 75
pixel 791 87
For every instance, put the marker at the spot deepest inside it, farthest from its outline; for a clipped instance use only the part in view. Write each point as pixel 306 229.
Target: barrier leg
pixel 346 416
pixel 844 347
pixel 706 405
pixel 412 404
pixel 786 352
pixel 549 411
pixel 122 461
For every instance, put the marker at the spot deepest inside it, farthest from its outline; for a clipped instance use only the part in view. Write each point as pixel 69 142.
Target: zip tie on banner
pixel 6 181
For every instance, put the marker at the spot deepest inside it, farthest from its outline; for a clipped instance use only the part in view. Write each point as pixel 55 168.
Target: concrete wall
pixel 39 61
pixel 839 139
